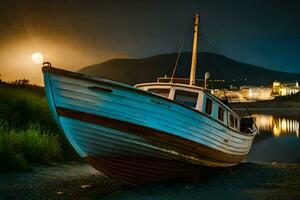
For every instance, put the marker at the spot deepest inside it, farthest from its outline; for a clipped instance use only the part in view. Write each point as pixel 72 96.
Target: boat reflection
pixel 276 125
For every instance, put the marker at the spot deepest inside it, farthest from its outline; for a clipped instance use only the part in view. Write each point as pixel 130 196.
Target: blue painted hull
pixel 108 122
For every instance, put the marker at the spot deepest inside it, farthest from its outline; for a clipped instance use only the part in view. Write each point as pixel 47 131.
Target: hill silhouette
pixel 133 71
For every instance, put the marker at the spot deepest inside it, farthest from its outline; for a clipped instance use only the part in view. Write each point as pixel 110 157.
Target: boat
pixel 150 131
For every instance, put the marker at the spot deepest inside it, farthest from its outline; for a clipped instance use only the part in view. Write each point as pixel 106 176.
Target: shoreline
pixel 275 108
pixel 80 181
pixel 293 114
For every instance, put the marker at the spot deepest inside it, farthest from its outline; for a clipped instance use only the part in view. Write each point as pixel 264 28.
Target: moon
pixel 37 58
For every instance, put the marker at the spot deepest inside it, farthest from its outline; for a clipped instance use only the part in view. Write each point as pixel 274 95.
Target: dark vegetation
pixel 28 135
pixel 133 71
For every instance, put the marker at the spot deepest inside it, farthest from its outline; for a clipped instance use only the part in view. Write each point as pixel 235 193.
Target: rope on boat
pixel 179 53
pixel 223 88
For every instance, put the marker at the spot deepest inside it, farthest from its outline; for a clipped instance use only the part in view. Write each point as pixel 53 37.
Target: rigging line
pixel 211 82
pixel 208 42
pixel 177 60
pixel 224 91
pixel 247 109
pixel 179 53
pixel 249 113
pixel 216 51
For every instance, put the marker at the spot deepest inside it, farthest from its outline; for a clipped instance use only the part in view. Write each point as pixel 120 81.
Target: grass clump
pixel 28 134
pixel 21 107
pixel 18 148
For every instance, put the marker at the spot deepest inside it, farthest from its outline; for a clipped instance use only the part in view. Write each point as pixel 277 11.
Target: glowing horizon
pixel 17 59
pixel 75 34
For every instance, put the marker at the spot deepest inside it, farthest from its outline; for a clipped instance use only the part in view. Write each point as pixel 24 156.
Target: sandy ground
pixel 80 181
pixel 63 181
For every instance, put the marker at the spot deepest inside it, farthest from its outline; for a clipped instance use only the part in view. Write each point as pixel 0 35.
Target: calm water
pixel 278 140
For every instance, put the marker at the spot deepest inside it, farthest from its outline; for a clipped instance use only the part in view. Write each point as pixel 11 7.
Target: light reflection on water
pixel 278 140
pixel 278 126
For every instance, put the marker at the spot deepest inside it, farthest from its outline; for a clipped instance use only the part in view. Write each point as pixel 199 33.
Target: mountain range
pixel 133 71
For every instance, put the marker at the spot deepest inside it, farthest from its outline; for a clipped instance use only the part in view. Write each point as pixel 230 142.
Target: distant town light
pixel 250 93
pixel 278 126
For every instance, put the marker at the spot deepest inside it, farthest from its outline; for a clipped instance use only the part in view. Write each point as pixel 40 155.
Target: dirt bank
pixel 80 181
pixel 63 181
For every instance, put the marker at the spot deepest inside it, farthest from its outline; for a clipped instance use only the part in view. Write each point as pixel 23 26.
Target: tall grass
pixel 21 107
pixel 18 148
pixel 28 134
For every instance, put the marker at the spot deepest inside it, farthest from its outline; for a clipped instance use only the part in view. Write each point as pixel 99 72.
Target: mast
pixel 194 53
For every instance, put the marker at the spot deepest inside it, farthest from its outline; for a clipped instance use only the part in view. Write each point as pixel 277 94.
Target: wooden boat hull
pixel 141 170
pixel 136 137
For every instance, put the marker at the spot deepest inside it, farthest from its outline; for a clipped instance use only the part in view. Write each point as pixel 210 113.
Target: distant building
pixel 283 89
pixel 254 93
pixel 232 87
pixel 231 95
pixel 257 93
pixel 276 87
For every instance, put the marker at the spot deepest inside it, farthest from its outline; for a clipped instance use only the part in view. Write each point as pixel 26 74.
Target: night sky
pixel 73 34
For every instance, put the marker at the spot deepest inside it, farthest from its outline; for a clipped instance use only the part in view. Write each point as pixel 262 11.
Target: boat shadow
pixel 204 181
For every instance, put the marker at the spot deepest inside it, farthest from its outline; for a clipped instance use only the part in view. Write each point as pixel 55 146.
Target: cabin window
pixel 236 123
pixel 221 112
pixel 160 91
pixel 186 98
pixel 231 120
pixel 208 106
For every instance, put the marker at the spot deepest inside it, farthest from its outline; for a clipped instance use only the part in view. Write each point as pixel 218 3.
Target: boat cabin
pixel 187 93
pixel 197 98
